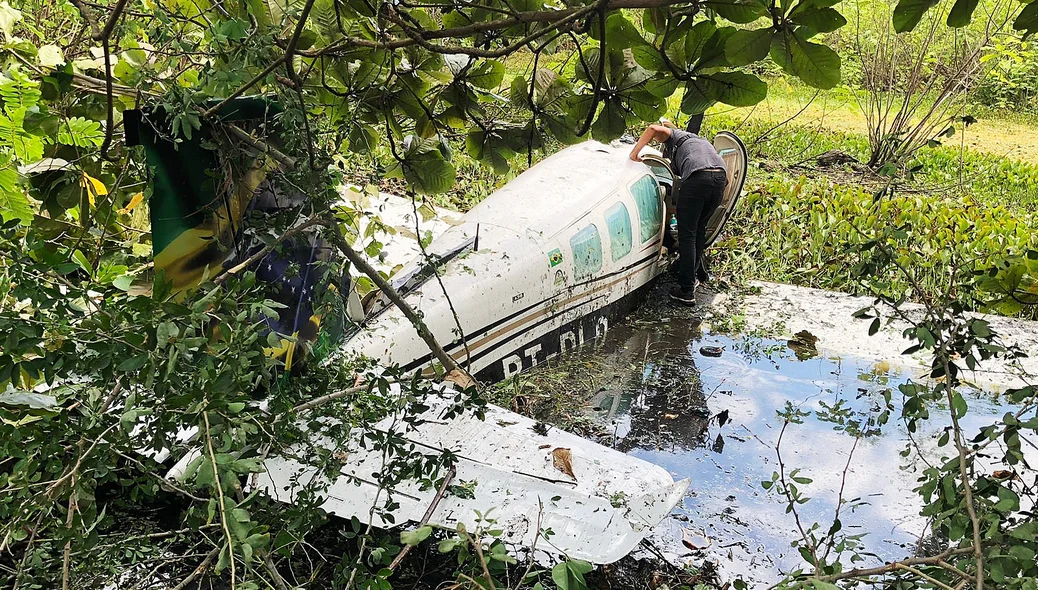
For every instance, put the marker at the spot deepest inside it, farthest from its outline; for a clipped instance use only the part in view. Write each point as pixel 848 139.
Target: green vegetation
pixel 797 218
pixel 100 357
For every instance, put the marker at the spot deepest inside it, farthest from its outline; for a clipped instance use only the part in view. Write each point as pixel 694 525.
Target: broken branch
pixel 428 514
pixel 395 297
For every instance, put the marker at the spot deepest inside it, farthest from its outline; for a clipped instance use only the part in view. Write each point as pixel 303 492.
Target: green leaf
pixel 700 94
pixel 13 202
pixel 810 6
pixel 646 105
pixel 429 173
pixel 959 405
pixel 620 32
pixel 569 575
pixel 738 11
pixel 8 17
pixel 1026 532
pixel 1008 500
pixel 611 122
pixel 962 12
pixel 981 328
pixel 746 47
pixel 487 147
pixel 739 89
pixel 362 138
pixel 662 86
pixel 19 92
pixel 824 20
pixel 696 42
pixel 519 92
pixel 133 363
pixel 80 132
pixel 908 13
pixel 732 88
pixel 579 565
pixel 416 536
pixel 79 258
pixel 236 29
pixel 487 74
pixel 712 54
pixel 123 282
pixel 27 148
pixel 1027 20
pixel 562 126
pixel 648 57
pixel 815 64
pixel 50 56
pixel 28 399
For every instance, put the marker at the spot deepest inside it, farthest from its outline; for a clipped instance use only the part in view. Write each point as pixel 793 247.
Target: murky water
pixel 715 420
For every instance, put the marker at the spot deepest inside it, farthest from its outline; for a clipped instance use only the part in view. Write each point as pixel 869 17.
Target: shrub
pixel 797 230
pixel 1011 80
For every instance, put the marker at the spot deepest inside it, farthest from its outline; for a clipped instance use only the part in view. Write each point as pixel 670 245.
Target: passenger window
pixel 587 253
pixel 619 222
pixel 650 207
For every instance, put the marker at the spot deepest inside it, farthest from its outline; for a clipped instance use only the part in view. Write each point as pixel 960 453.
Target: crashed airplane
pixel 539 267
pixel 534 271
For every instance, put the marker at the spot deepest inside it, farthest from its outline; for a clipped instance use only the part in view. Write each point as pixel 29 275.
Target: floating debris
pixel 695 540
pixel 803 345
pixel 712 351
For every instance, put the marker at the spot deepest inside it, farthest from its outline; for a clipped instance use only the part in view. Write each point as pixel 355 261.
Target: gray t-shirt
pixel 691 153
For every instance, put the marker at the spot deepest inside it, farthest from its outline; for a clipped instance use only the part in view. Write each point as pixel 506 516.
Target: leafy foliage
pixel 100 360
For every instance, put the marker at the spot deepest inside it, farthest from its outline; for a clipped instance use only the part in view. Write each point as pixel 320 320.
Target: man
pixel 703 180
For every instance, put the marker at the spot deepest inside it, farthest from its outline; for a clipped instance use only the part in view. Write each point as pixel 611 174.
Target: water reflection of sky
pixel 666 409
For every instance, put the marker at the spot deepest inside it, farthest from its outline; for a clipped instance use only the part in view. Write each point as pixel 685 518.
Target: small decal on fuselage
pixel 555 257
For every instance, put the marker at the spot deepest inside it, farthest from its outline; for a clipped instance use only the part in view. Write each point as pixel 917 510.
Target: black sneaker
pixel 683 295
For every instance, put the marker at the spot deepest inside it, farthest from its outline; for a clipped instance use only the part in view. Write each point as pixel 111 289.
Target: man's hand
pixel 651 133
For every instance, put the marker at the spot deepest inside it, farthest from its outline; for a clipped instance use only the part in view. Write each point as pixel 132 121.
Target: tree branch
pixel 262 253
pixel 358 261
pixel 198 570
pixel 520 18
pixel 896 565
pixel 320 401
pixel 245 87
pixel 428 514
pixel 88 17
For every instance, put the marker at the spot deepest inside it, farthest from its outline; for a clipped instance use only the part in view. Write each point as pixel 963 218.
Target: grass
pixel 948 171
pixel 996 133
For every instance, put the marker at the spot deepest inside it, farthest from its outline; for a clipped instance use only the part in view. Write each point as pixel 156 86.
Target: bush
pixel 1011 81
pixel 798 230
pixel 940 170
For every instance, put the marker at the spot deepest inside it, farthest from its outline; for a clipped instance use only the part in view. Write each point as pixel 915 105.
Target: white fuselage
pixel 568 238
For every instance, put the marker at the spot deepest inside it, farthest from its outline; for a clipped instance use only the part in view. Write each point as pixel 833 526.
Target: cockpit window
pixel 406 283
pixel 661 170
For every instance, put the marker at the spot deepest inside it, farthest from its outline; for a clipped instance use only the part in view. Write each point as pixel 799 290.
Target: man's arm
pixel 651 133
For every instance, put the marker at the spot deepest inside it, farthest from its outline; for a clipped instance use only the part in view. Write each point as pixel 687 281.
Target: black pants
pixel 700 195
